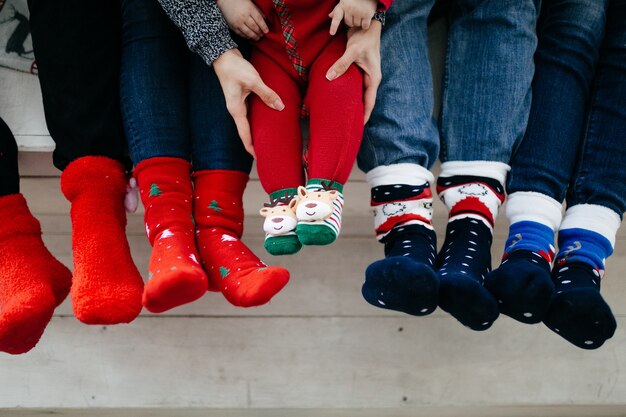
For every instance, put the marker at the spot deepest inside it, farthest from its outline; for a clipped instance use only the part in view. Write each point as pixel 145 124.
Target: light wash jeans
pixel 486 85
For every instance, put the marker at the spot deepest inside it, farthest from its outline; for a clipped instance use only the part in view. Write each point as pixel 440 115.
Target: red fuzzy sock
pixel 176 277
pixel 244 280
pixel 106 287
pixel 32 281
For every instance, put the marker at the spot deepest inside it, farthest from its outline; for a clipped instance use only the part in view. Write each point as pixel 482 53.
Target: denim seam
pixel 443 147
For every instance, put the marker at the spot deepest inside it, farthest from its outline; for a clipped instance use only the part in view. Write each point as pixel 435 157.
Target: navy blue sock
pixel 523 282
pixel 462 265
pixel 578 312
pixel 405 279
pixel 465 258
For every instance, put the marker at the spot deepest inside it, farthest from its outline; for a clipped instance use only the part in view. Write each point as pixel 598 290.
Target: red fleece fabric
pixel 106 287
pixel 238 273
pixel 32 281
pixel 335 107
pixel 176 277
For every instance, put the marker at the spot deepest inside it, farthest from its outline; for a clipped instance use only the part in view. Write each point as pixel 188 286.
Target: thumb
pixel 267 95
pixel 243 128
pixel 341 65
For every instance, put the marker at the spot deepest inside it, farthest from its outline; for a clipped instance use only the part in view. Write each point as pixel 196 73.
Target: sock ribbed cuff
pixel 489 169
pixel 533 207
pixel 399 174
pixel 284 194
pixel 322 184
pixel 593 217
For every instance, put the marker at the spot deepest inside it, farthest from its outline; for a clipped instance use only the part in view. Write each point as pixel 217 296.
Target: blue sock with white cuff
pixel 523 282
pixel 578 312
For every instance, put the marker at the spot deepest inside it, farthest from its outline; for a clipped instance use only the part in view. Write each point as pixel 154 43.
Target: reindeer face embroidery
pixel 280 219
pixel 315 205
pixel 394 209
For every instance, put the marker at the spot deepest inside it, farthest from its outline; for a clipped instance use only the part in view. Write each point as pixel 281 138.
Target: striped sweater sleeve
pixel 202 25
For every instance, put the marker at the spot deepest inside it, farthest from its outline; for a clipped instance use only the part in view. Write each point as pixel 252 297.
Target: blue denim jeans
pixel 575 143
pixel 172 102
pixel 486 85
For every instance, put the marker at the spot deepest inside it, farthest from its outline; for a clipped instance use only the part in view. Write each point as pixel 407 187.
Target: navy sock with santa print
pixel 473 192
pixel 405 279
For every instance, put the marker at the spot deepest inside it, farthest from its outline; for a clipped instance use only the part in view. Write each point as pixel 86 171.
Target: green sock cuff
pixel 328 183
pixel 284 193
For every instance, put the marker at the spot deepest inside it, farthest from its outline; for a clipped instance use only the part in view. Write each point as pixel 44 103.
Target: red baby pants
pixel 293 59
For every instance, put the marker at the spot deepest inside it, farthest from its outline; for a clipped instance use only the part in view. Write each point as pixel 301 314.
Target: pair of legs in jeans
pixel 573 150
pixel 486 99
pixel 77 45
pixel 191 168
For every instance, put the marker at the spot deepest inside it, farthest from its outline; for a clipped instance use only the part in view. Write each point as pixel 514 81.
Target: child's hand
pixel 355 13
pixel 244 18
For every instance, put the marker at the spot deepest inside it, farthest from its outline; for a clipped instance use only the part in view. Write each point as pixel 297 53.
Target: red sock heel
pixel 176 277
pixel 106 287
pixel 32 281
pixel 244 280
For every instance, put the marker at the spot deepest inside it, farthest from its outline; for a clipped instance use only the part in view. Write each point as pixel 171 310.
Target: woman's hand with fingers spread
pixel 363 49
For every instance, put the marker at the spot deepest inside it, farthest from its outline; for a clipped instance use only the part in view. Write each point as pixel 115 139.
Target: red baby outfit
pixel 293 59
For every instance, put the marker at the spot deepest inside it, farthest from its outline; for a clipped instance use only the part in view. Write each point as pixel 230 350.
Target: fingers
pixel 371 83
pixel 365 23
pixel 267 95
pixel 342 64
pixel 249 33
pixel 243 128
pixel 337 16
pixel 260 21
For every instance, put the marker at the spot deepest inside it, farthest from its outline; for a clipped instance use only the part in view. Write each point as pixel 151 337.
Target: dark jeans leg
pixel 600 176
pixel 77 47
pixel 9 175
pixel 570 34
pixel 215 141
pixel 154 83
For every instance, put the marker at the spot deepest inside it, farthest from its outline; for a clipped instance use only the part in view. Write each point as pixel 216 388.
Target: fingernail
pixel 331 75
pixel 278 105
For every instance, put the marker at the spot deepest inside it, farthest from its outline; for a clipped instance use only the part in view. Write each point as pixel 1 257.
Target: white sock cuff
pixel 534 207
pixel 411 174
pixel 489 169
pixel 596 218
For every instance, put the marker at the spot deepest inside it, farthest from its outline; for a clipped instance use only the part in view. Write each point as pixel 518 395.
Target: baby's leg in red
pixel 278 147
pixel 336 111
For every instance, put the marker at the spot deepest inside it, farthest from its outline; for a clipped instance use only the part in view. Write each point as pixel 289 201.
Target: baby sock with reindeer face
pixel 319 210
pixel 280 223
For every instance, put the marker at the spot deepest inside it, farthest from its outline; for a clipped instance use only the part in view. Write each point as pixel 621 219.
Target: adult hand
pixel 363 49
pixel 238 79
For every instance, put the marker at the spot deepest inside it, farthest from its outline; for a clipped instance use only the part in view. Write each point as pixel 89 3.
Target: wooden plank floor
pixel 317 345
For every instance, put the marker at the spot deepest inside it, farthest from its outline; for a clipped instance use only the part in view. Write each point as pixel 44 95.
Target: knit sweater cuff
pixel 212 48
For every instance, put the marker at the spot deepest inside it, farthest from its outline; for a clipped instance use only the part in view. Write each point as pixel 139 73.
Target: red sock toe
pixel 32 281
pixel 244 280
pixel 176 277
pixel 107 286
